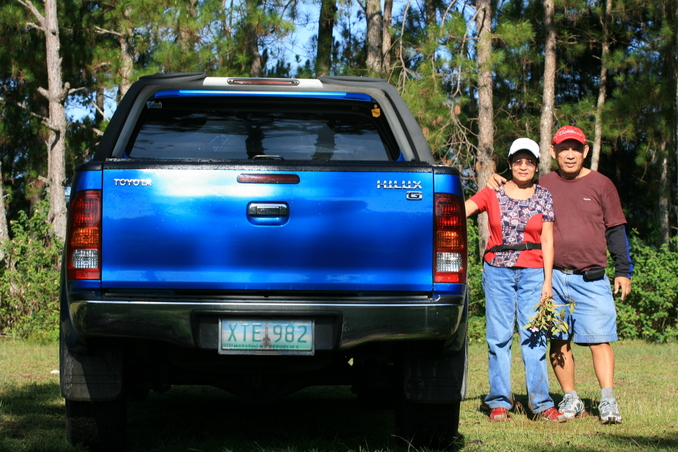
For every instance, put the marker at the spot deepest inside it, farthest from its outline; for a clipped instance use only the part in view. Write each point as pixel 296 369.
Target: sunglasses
pixel 530 163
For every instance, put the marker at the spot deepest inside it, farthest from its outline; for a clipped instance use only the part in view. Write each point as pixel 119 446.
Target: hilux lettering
pixel 409 185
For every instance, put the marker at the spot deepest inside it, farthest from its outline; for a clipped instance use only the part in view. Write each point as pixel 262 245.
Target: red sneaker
pixel 499 414
pixel 552 415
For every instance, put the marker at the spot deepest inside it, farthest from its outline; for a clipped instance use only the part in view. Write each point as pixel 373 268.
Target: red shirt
pixel 514 221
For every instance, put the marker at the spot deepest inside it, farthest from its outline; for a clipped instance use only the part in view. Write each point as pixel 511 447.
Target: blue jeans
pixel 511 291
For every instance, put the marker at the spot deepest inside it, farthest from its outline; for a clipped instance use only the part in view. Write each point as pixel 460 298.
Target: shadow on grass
pixel 208 419
pixel 32 417
pixel 316 419
pixel 660 443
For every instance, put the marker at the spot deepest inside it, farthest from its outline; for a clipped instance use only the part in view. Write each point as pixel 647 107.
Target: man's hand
pixel 495 181
pixel 624 284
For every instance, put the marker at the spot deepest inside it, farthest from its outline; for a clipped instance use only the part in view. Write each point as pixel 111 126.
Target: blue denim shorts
pixel 594 320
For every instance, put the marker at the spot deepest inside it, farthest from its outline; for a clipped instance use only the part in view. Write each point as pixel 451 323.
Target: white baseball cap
pixel 524 144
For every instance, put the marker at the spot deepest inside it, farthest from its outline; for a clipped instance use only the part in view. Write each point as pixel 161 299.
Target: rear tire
pixel 430 425
pixel 98 425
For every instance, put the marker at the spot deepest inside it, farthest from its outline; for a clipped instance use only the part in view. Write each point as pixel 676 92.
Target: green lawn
pixel 330 419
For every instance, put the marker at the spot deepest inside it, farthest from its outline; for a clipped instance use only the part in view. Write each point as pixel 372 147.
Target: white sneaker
pixel 571 406
pixel 609 412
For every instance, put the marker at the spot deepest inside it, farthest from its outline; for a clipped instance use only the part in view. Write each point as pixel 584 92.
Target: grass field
pixel 330 418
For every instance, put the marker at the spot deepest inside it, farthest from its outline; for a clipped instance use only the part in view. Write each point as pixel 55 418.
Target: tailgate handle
pixel 268 209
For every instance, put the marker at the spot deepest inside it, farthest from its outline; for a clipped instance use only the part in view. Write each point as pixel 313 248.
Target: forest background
pixel 476 74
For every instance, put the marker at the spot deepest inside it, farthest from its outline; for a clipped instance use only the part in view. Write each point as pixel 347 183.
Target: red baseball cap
pixel 569 133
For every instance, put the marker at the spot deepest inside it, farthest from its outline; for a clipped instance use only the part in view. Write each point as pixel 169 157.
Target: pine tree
pixel 485 165
pixel 56 94
pixel 326 19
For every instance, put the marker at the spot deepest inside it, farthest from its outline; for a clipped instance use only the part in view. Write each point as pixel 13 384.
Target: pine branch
pixel 38 15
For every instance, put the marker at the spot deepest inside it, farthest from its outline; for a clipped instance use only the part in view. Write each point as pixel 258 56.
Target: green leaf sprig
pixel 550 317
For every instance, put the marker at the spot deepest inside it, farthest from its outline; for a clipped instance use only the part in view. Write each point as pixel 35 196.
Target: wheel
pixel 430 425
pixel 98 425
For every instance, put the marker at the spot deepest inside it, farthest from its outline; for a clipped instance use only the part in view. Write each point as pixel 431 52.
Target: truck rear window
pixel 243 128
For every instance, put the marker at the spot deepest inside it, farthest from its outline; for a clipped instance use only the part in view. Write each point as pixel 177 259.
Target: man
pixel 589 221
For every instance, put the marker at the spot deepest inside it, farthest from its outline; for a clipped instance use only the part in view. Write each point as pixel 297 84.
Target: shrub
pixel 29 282
pixel 475 272
pixel 649 311
pixel 476 328
pixel 476 302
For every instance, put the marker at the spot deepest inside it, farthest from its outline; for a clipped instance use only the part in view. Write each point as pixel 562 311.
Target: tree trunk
pixel 4 227
pixel 56 141
pixel 323 61
pixel 55 94
pixel 186 36
pixel 386 41
pixel 602 90
pixel 100 101
pixel 549 95
pixel 373 35
pixel 485 164
pixel 663 203
pixel 127 55
pixel 598 114
pixel 673 16
pixel 256 67
pixel 430 8
pixel 668 145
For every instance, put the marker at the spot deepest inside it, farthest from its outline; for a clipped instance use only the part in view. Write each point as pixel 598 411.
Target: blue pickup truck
pixel 263 236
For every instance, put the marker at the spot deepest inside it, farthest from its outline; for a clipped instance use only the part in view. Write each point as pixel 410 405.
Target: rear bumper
pixel 341 323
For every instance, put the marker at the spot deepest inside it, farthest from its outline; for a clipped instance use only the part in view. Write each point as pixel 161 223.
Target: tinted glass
pixel 242 128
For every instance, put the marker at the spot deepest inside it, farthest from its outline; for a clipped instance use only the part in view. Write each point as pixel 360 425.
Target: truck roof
pixel 413 143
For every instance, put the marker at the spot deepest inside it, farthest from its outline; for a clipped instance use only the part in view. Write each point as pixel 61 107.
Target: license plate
pixel 253 336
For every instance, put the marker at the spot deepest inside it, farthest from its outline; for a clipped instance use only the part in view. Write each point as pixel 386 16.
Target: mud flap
pixel 427 414
pixel 90 377
pixel 436 379
pixel 438 376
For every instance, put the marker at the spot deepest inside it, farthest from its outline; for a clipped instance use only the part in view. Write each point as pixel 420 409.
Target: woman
pixel 516 275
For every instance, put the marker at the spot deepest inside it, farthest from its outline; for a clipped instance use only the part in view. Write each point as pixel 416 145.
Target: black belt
pixel 569 271
pixel 519 247
pixel 591 274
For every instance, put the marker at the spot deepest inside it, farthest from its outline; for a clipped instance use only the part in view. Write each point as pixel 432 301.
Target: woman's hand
pixel 546 290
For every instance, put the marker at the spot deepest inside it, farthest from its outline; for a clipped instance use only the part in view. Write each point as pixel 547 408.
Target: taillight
pixel 83 240
pixel 450 248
